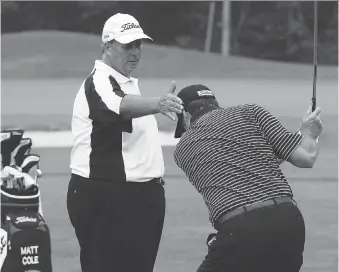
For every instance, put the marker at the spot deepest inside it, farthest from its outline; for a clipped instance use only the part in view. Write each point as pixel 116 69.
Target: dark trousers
pixel 264 240
pixel 118 225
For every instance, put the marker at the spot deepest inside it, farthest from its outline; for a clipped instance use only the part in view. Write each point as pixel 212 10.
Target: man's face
pixel 125 57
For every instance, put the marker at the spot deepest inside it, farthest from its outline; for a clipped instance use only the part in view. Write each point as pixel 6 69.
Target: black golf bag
pixel 25 237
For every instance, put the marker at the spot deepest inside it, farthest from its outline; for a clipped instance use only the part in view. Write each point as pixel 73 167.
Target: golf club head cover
pixel 28 180
pixel 10 139
pixel 23 148
pixel 29 161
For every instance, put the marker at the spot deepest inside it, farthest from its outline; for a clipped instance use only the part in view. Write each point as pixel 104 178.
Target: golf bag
pixel 25 243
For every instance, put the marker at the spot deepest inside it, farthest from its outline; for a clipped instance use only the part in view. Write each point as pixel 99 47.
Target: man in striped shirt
pixel 231 156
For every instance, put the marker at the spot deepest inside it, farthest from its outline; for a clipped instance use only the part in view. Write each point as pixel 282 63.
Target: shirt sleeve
pixel 177 156
pixel 109 92
pixel 283 142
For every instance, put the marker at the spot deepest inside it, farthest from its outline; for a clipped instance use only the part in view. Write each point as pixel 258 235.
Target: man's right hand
pixel 305 155
pixel 311 125
pixel 169 104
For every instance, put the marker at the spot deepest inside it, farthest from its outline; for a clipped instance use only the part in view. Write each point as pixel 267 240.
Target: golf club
pixel 315 56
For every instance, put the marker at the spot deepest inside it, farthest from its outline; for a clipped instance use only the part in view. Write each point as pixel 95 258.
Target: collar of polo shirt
pixel 100 65
pixel 204 110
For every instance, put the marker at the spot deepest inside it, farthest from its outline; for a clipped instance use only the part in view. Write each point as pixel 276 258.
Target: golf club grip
pixel 314 95
pixel 314 103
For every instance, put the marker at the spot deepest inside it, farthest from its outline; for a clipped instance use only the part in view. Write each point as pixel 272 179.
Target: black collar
pixel 203 111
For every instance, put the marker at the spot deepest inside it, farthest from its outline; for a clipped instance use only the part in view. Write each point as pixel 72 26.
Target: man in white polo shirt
pixel 115 199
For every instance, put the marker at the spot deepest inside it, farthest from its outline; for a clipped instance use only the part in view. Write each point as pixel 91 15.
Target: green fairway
pixel 186 225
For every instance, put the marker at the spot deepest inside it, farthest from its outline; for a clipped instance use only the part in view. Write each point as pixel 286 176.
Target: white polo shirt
pixel 106 147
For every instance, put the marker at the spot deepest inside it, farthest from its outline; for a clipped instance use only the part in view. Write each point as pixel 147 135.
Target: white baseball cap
pixel 123 28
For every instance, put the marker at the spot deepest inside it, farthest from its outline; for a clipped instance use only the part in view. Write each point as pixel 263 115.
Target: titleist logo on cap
pixel 205 92
pixel 128 26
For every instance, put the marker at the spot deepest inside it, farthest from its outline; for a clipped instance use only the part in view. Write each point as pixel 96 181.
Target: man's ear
pixel 186 119
pixel 106 48
pixel 182 124
pixel 179 130
pixel 108 51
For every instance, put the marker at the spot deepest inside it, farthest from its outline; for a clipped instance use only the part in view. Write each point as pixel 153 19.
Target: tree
pixel 210 24
pixel 226 28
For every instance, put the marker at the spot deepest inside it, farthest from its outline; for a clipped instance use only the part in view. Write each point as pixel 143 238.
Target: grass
pixel 55 54
pixel 47 104
pixel 186 225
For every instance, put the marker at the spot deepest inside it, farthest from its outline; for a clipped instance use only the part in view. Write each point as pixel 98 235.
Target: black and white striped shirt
pixel 230 156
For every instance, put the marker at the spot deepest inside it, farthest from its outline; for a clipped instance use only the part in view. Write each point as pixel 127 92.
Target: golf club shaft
pixel 315 56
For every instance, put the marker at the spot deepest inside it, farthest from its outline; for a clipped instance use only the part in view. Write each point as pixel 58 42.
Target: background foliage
pixel 274 30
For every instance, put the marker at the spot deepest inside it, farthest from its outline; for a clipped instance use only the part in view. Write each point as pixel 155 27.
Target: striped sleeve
pixel 176 157
pixel 109 91
pixel 283 142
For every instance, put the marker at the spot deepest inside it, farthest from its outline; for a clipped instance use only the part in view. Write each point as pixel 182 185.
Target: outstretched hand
pixel 170 104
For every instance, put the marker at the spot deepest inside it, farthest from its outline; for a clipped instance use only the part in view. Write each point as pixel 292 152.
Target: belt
pixel 157 180
pixel 254 206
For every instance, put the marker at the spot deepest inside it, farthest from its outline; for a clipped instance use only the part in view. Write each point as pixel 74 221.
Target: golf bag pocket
pixel 29 244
